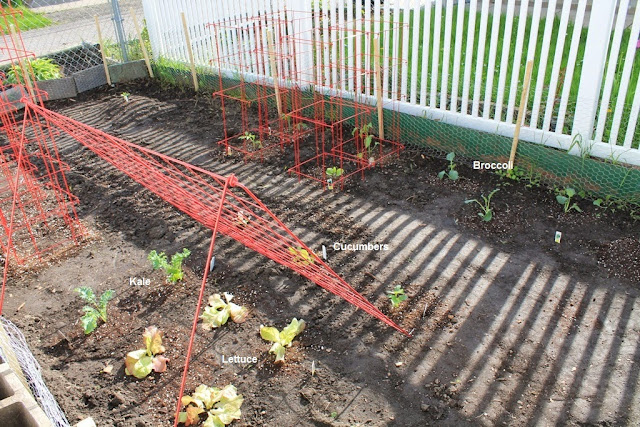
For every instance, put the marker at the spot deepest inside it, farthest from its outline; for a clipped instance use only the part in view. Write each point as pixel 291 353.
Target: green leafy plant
pixel 301 127
pixel 218 312
pixel 334 172
pixel 301 256
pixel 396 295
pixel 564 198
pixel 43 69
pixel 221 406
pixel 286 118
pixel 452 173
pixel 125 96
pixel 364 133
pixel 140 363
pixel 173 268
pixel 248 136
pixel 486 212
pixel 96 309
pixel 281 339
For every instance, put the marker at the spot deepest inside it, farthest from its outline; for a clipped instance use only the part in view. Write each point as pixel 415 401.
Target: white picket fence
pixel 436 77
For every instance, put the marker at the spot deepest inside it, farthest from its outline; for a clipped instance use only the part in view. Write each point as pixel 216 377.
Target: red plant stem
pixel 229 181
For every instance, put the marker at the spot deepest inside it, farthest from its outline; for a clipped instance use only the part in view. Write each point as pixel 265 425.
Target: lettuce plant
pixel 173 268
pixel 96 309
pixel 281 339
pixel 218 312
pixel 140 363
pixel 221 406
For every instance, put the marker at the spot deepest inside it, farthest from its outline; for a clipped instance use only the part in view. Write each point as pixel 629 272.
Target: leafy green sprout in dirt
pixel 219 311
pixel 282 339
pixel 140 363
pixel 564 198
pixel 452 173
pixel 251 137
pixel 364 133
pixel 334 172
pixel 173 269
pixel 96 309
pixel 301 256
pixel 125 96
pixel 396 296
pixel 220 406
pixel 43 69
pixel 486 212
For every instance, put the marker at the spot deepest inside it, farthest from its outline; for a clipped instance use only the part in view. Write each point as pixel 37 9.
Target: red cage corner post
pixel 37 210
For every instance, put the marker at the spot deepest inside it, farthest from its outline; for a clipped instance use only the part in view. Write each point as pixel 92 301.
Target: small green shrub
pixel 43 69
pixel 173 268
pixel 96 309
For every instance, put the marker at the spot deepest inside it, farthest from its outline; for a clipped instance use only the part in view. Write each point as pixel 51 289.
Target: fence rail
pixel 458 62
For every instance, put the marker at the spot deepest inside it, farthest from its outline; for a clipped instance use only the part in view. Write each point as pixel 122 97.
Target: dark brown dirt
pixel 510 328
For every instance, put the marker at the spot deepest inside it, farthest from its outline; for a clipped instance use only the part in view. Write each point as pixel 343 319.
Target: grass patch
pixel 26 19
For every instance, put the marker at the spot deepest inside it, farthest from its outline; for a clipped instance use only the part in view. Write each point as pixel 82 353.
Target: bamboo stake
pixel 376 57
pixel 274 71
pixel 21 64
pixel 190 52
pixel 523 107
pixel 104 57
pixel 145 53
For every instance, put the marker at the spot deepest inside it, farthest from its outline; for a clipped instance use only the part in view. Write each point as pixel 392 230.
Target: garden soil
pixel 509 327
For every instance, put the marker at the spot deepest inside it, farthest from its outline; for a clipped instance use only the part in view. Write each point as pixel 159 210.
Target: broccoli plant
pixel 486 212
pixel 452 173
pixel 140 363
pixel 564 198
pixel 221 406
pixel 248 136
pixel 96 309
pixel 218 312
pixel 396 295
pixel 281 339
pixel 173 268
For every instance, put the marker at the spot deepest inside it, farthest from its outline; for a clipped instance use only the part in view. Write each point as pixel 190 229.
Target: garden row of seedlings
pixel 215 406
pixel 564 196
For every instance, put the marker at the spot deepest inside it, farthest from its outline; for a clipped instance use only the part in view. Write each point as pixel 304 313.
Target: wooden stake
pixel 190 52
pixel 23 67
pixel 523 107
pixel 145 53
pixel 376 57
pixel 104 57
pixel 274 71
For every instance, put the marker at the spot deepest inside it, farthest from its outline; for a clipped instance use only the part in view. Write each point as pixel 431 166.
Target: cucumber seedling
pixel 396 296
